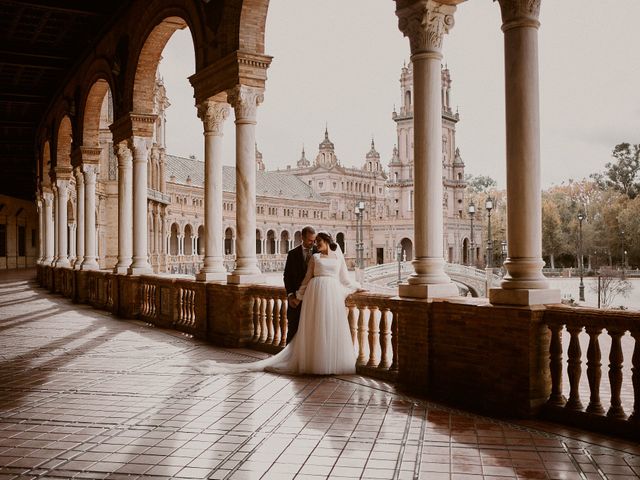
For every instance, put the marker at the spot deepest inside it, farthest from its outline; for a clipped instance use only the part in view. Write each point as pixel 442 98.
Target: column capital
pixel 139 146
pixel 213 113
pixel 47 197
pixel 123 153
pixel 90 172
pixel 245 101
pixel 519 13
pixel 426 22
pixel 77 173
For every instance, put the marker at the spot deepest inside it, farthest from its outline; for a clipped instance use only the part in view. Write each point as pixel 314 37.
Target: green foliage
pixel 622 174
pixel 480 183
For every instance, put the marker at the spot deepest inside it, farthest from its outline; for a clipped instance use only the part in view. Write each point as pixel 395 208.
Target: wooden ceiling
pixel 40 42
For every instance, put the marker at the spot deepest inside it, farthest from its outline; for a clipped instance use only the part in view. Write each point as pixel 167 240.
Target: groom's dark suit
pixel 294 272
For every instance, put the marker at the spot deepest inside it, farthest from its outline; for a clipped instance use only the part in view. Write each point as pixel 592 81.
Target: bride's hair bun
pixel 329 239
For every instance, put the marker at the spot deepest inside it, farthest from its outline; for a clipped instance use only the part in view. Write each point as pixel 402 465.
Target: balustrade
pixel 594 323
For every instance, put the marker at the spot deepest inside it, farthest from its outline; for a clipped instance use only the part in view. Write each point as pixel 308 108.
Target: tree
pixel 622 174
pixel 480 183
pixel 611 285
pixel 552 235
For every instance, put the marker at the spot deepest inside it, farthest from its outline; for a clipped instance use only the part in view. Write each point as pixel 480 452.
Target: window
pixel 22 241
pixel 3 240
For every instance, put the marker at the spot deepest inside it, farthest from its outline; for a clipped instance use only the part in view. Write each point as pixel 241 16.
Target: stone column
pixel 140 265
pixel 49 229
pixel 62 192
pixel 213 114
pixel 79 217
pixel 125 207
pixel 523 283
pixel 89 172
pixel 425 23
pixel 41 227
pixel 245 101
pixel 72 243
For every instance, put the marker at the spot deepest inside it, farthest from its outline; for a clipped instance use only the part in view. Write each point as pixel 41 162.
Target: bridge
pixel 384 277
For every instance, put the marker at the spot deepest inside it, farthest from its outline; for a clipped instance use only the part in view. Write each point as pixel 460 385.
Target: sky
pixel 337 63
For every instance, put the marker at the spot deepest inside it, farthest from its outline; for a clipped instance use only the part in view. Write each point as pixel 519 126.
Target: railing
pixel 374 332
pixel 190 315
pixel 371 319
pixel 584 328
pixel 148 300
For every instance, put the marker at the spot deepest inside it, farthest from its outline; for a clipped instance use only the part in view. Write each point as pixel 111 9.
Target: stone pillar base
pixel 241 279
pixel 428 290
pixel 524 297
pixel 121 270
pixel 62 263
pixel 89 266
pixel 211 276
pixel 139 270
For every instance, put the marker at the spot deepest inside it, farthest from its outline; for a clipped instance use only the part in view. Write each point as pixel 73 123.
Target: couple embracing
pixel 318 337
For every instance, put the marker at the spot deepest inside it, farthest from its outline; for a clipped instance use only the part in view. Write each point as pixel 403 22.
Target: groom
pixel 294 272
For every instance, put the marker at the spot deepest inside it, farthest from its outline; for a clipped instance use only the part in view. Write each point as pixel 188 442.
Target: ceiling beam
pixel 78 7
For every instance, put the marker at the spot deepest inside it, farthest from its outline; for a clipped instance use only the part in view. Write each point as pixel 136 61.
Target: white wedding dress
pixel 323 343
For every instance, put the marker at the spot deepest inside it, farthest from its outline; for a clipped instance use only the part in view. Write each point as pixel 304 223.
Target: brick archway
pixel 63 143
pixel 92 113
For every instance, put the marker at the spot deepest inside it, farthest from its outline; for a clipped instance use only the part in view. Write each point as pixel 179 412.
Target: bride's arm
pixel 344 277
pixel 307 278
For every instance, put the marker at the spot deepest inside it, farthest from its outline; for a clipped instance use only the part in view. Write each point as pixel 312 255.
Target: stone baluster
pixel 362 335
pixel 574 368
pixel 353 324
pixel 555 366
pixel 616 358
pixel 284 324
pixel 374 337
pixel 256 319
pixel 264 332
pixel 270 310
pixel 635 378
pixel 386 350
pixel 594 371
pixel 277 310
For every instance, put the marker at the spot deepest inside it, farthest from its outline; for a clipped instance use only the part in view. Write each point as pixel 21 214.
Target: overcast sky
pixel 338 62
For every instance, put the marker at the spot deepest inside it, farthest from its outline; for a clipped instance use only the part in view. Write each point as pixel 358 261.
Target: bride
pixel 323 342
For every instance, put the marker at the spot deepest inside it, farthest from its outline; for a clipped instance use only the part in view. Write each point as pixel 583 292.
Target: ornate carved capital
pixel 245 101
pixel 213 114
pixel 425 23
pixel 520 12
pixel 78 174
pixel 123 154
pixel 140 148
pixel 90 171
pixel 48 198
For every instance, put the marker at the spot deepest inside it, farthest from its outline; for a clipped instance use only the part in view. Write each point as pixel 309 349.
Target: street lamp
pixel 581 217
pixel 359 211
pixel 624 253
pixel 503 252
pixel 472 212
pixel 488 204
pixel 399 257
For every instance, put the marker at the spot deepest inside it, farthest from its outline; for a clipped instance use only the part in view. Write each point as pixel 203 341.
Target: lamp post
pixel 503 253
pixel 472 212
pixel 359 211
pixel 489 206
pixel 624 253
pixel 581 217
pixel 399 257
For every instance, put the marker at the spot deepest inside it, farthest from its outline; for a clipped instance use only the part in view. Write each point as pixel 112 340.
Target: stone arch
pixel 340 240
pixel 202 239
pixel 465 251
pixel 407 248
pixel 46 164
pixel 64 142
pixel 147 62
pixel 258 241
pixel 228 241
pixel 297 238
pixel 271 242
pixel 92 112
pixel 173 239
pixel 188 236
pixel 284 242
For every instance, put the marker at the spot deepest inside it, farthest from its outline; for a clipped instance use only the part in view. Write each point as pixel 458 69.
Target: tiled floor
pixel 86 395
